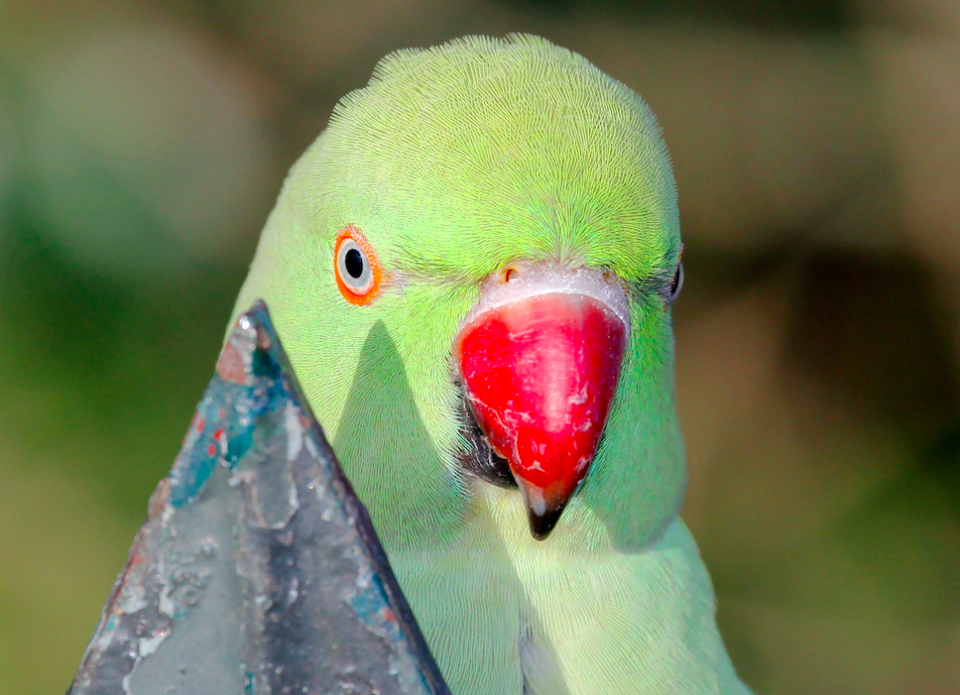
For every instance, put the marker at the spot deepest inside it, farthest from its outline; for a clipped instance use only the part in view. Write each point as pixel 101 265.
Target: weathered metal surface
pixel 258 571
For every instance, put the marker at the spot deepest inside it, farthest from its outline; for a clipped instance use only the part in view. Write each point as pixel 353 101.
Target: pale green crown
pixel 503 147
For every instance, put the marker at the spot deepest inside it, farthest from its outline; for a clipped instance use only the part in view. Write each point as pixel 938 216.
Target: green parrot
pixel 471 270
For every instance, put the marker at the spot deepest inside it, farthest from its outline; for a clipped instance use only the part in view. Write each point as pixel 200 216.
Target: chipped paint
pixel 256 553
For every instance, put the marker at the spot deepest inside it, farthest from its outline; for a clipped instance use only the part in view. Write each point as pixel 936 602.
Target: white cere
pixel 546 278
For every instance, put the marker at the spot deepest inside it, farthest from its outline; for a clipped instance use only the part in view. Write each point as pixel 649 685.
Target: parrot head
pixel 472 270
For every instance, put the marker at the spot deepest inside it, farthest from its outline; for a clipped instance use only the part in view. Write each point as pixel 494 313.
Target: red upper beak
pixel 540 359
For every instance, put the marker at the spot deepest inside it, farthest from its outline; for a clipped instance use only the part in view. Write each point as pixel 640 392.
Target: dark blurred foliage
pixel 817 150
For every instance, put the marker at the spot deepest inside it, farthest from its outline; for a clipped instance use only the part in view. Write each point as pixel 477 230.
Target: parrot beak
pixel 539 360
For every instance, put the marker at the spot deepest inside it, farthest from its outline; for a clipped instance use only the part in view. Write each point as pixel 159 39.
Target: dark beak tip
pixel 542 524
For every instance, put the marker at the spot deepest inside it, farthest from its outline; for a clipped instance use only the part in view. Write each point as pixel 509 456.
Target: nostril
pixel 510 274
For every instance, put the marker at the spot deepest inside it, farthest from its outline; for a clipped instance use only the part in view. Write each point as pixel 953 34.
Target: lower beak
pixel 539 366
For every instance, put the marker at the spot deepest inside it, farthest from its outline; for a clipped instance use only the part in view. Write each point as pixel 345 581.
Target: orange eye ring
pixel 356 267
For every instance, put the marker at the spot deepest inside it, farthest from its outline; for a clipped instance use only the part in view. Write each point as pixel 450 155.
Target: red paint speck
pixel 218 434
pixel 211 450
pixel 230 367
pixel 388 615
pixel 201 423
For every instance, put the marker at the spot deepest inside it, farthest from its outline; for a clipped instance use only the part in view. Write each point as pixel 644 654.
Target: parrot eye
pixel 355 264
pixel 676 284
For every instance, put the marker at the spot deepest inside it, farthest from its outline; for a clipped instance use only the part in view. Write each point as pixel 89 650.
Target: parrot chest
pixel 505 614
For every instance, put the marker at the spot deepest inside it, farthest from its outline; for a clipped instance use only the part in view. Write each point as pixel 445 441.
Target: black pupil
pixel 354 263
pixel 675 285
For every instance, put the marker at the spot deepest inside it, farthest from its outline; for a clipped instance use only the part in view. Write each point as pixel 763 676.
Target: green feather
pixel 453 162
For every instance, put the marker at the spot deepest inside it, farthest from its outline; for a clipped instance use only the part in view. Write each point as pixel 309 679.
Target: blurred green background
pixel 817 150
